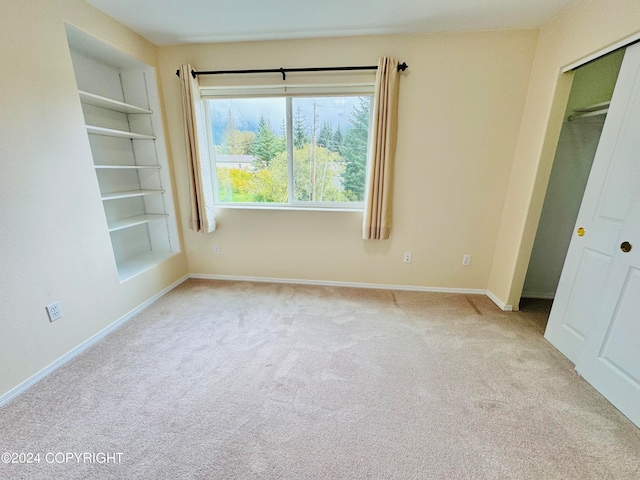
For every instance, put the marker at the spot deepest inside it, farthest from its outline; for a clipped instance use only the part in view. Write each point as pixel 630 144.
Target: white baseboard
pixel 503 306
pixel 295 281
pixel 414 288
pixel 31 381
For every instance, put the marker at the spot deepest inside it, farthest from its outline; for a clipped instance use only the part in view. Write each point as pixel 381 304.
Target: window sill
pixel 293 208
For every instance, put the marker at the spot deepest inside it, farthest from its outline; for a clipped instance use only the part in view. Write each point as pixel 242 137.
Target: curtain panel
pixel 377 215
pixel 202 217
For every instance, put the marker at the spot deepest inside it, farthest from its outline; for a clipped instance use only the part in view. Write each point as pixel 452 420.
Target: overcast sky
pixel 246 112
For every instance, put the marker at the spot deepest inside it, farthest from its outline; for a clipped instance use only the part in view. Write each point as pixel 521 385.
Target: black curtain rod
pixel 401 68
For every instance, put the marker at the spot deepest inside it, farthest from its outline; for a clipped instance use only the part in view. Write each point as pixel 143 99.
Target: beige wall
pixel 461 102
pixel 53 238
pixel 584 29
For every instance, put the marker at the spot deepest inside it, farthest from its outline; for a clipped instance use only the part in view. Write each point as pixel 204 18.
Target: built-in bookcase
pixel 122 115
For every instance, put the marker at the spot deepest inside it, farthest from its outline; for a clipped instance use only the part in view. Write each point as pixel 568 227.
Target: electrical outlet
pixel 466 260
pixel 54 311
pixel 407 257
pixel 216 249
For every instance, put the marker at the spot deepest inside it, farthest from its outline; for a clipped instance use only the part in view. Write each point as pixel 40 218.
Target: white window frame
pixel 288 92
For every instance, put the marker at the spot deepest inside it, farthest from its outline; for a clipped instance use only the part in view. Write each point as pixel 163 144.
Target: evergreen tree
pixel 300 130
pixel 354 150
pixel 265 146
pixel 281 140
pixel 230 132
pixel 236 142
pixel 325 138
pixel 338 141
pixel 244 143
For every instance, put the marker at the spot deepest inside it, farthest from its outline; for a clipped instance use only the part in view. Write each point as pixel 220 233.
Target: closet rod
pixel 401 68
pixel 592 113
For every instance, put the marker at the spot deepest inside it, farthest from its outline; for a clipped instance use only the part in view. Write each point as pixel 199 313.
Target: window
pixel 299 150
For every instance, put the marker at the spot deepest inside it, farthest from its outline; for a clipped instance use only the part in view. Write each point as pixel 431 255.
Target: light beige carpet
pixel 224 380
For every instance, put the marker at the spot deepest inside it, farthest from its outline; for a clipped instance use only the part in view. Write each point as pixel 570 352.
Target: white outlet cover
pixel 54 311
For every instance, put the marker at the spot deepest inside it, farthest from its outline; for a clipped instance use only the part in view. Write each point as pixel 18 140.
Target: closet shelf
pixel 129 194
pixel 109 132
pixel 110 104
pixel 123 223
pixel 127 167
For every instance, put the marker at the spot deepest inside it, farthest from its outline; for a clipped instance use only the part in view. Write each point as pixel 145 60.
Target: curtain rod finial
pixel 178 73
pixel 402 67
pixel 193 73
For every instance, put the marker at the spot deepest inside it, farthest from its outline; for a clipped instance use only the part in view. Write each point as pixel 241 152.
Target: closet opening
pixel 591 92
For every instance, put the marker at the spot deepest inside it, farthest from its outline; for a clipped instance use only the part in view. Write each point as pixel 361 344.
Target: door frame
pixel 555 117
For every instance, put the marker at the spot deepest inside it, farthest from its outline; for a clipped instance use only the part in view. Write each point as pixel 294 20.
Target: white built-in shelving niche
pixel 119 100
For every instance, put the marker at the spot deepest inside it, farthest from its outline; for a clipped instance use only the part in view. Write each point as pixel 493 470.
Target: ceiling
pixel 166 22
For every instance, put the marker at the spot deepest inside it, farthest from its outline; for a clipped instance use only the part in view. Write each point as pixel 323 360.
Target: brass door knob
pixel 626 247
pixel 581 232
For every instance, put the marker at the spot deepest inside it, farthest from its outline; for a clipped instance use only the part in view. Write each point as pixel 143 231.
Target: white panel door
pixel 606 203
pixel 611 358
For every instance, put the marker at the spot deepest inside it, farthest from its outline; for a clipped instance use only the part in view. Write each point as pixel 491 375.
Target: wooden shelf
pixel 129 194
pixel 127 167
pixel 109 132
pixel 123 223
pixel 110 104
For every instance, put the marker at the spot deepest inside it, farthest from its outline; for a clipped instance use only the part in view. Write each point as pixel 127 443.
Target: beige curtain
pixel 377 213
pixel 202 217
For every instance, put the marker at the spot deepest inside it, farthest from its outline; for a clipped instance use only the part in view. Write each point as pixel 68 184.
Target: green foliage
pixel 270 184
pixel 325 138
pixel 231 184
pixel 240 143
pixel 269 187
pixel 329 168
pixel 354 150
pixel 300 129
pixel 246 186
pixel 340 162
pixel 338 141
pixel 236 142
pixel 266 145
